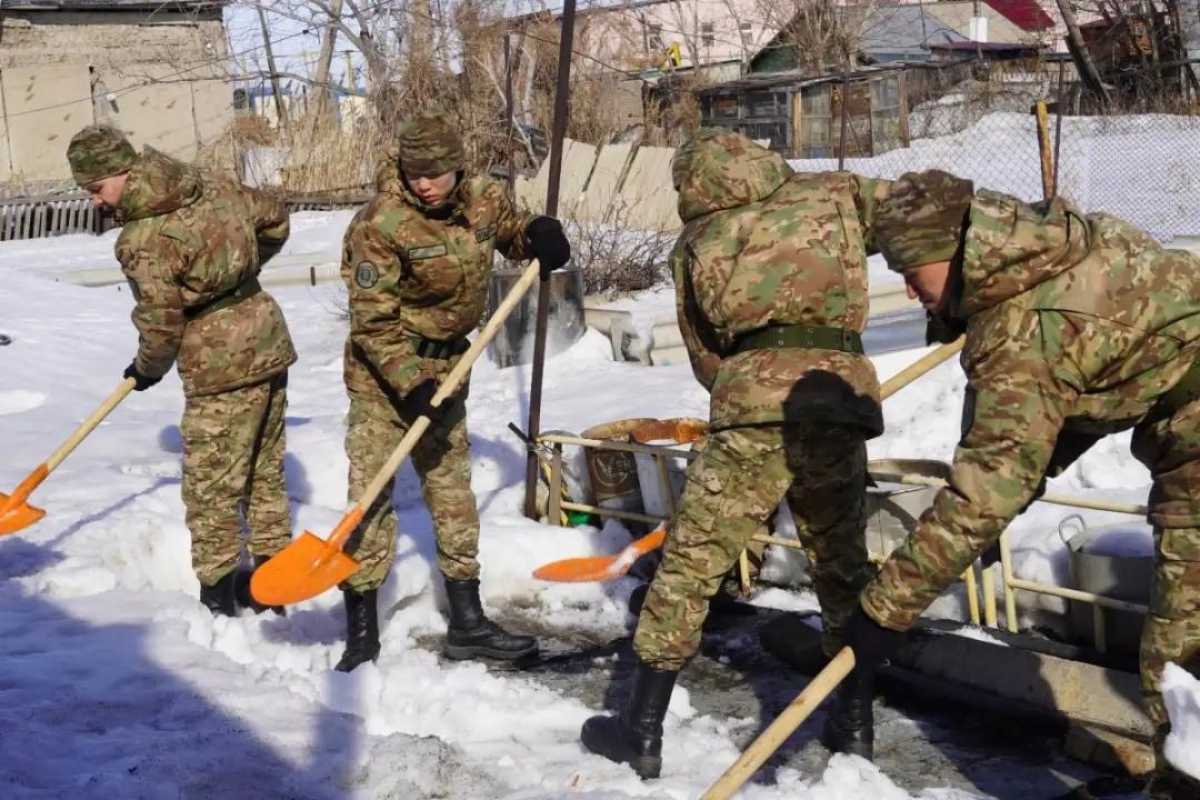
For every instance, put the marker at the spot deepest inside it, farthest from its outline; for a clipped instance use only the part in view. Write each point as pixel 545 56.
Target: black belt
pixel 814 336
pixel 436 348
pixel 1183 392
pixel 245 289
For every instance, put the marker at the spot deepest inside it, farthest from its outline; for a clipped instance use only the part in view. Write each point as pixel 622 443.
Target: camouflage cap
pixel 99 151
pixel 920 221
pixel 428 145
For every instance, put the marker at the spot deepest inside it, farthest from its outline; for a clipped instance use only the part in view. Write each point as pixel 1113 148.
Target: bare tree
pixel 826 35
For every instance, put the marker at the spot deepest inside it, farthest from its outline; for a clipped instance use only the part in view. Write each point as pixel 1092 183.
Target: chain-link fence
pixel 1142 168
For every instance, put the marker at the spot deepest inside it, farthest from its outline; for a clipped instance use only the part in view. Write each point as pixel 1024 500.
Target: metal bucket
pixel 514 343
pixel 1124 576
pixel 893 510
pixel 611 473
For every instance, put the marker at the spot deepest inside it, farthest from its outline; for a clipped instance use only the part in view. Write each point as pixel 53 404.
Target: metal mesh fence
pixel 1143 168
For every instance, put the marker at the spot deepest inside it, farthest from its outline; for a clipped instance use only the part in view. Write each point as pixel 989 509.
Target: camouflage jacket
pixel 414 272
pixel 1076 324
pixel 188 240
pixel 762 246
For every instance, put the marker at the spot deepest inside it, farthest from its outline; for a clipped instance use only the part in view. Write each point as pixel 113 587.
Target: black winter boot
pixel 362 629
pixel 850 727
pixel 219 598
pixel 245 599
pixel 635 736
pixel 472 635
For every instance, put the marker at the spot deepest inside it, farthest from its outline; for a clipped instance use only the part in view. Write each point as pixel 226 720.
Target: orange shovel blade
pixel 15 516
pixel 601 568
pixel 305 568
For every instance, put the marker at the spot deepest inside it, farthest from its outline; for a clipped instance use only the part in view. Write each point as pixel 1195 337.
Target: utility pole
pixel 280 110
pixel 326 100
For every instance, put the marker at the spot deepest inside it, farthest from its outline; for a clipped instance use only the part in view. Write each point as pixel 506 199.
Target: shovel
pixel 310 565
pixel 15 512
pixel 607 568
pixel 784 725
pixel 602 568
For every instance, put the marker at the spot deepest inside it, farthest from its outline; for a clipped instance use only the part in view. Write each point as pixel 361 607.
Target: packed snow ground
pixel 116 682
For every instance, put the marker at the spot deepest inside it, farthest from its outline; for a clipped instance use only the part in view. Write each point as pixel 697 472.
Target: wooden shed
pixel 801 115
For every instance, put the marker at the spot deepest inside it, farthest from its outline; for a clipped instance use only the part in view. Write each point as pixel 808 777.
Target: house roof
pixel 958 13
pixel 1025 14
pixel 112 5
pixel 903 32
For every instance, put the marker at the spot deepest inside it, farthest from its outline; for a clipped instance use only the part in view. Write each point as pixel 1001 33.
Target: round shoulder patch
pixel 366 275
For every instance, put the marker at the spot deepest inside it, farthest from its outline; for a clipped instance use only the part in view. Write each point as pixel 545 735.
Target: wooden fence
pixel 42 216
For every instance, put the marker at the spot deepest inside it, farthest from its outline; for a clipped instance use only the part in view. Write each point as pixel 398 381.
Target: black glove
pixel 141 382
pixel 420 400
pixel 872 643
pixel 548 243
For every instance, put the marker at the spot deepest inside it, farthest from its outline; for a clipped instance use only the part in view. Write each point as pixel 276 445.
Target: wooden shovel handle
pixel 89 424
pixel 784 726
pixel 919 367
pixel 460 371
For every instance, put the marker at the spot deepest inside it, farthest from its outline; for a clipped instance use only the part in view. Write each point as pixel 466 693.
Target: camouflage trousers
pixel 732 490
pixel 233 445
pixel 442 461
pixel 1170 447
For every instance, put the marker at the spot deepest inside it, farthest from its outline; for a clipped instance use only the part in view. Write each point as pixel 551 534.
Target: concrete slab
pixel 648 192
pixel 597 201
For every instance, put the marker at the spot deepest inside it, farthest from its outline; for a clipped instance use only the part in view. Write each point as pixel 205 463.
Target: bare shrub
pixel 614 253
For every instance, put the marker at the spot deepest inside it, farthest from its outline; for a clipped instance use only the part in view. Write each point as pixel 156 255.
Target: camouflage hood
pixel 1011 247
pixel 718 169
pixel 158 184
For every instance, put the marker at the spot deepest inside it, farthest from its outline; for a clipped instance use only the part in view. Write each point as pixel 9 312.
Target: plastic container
pixel 612 474
pixel 678 433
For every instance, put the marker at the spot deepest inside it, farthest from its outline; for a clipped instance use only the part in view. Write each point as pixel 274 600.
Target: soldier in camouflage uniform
pixel 1077 325
pixel 192 247
pixel 417 261
pixel 771 294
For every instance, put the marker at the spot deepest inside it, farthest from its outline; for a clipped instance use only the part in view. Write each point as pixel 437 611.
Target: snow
pixel 117 682
pixel 1181 691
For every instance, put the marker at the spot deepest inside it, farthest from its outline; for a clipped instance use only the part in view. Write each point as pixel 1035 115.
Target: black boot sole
pixel 596 736
pixel 469 652
pixel 835 742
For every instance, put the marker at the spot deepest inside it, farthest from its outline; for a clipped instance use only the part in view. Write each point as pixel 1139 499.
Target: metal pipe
pixel 989 597
pixel 562 90
pixel 845 113
pixel 972 593
pixel 1076 594
pixel 627 447
pixel 1006 573
pixel 508 111
pixel 1062 101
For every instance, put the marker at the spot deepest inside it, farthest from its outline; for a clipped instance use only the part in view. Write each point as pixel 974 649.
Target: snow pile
pixel 122 684
pixel 1181 691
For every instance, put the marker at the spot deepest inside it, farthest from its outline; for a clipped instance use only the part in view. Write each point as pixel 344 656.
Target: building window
pixel 656 40
pixel 706 34
pixel 744 29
